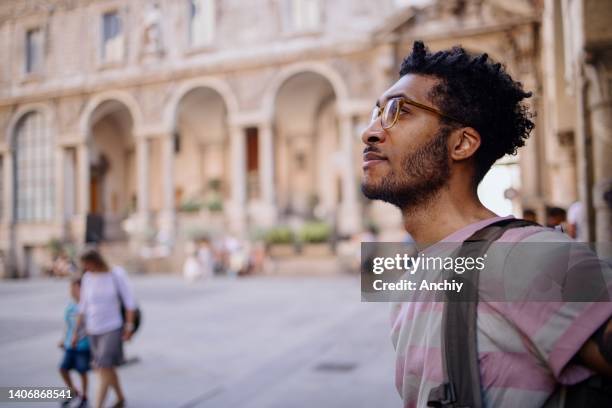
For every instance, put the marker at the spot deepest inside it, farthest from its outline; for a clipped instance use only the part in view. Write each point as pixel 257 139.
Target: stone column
pixel 266 174
pixel 584 155
pixel 12 262
pixel 59 186
pixel 167 220
pixel 348 218
pixel 598 101
pixel 69 186
pixel 142 177
pixel 237 210
pixel 9 187
pixel 83 172
pixel 80 222
pixel 532 161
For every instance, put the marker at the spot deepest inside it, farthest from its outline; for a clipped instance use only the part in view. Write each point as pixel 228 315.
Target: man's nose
pixel 374 134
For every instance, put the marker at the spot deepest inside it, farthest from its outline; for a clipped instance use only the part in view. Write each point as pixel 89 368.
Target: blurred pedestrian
pixel 530 215
pixel 63 266
pixel 76 357
pixel 205 257
pixel 237 256
pixel 576 221
pixel 191 266
pixel 200 261
pixel 258 257
pixel 556 217
pixel 103 291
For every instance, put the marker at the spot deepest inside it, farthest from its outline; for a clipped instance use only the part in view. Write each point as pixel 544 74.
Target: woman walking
pixel 103 291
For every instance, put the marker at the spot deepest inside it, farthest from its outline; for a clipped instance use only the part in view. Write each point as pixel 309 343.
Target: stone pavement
pixel 254 342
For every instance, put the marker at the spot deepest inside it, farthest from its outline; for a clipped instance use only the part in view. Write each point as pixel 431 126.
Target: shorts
pixel 107 349
pixel 76 360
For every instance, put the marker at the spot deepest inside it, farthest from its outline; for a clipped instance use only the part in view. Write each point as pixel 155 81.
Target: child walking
pixel 76 357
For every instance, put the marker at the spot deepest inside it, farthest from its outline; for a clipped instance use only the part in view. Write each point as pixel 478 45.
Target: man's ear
pixel 464 143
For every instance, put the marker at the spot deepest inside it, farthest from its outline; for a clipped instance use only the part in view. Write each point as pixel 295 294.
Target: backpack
pixel 462 388
pixel 137 311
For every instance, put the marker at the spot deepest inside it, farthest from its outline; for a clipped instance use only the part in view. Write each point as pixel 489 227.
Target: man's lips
pixel 371 159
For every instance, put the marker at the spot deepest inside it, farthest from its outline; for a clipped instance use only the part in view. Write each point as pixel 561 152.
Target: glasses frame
pixel 405 100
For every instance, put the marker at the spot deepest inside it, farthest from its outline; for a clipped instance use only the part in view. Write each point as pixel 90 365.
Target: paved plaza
pixel 251 343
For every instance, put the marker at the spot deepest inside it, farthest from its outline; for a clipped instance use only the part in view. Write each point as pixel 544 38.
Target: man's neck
pixel 446 213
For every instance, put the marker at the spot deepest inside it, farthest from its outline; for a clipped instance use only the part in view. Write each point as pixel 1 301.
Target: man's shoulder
pixel 535 241
pixel 535 233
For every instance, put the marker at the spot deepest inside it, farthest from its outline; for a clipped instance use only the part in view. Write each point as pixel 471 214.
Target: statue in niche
pixel 152 34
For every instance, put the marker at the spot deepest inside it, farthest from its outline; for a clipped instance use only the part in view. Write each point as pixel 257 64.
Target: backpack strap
pixel 459 332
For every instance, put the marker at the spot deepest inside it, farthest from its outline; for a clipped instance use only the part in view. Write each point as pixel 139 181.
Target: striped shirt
pixel 524 349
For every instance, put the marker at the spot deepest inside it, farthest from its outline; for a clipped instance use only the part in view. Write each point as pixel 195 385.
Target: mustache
pixel 372 149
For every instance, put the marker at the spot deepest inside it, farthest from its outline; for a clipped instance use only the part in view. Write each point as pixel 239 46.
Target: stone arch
pixel 124 98
pixel 197 118
pixel 44 108
pixel 110 125
pixel 306 137
pixel 334 78
pixel 215 84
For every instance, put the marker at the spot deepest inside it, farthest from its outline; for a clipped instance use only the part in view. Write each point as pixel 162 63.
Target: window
pixel 304 15
pixel 201 22
pixel 34 51
pixel 112 37
pixel 33 170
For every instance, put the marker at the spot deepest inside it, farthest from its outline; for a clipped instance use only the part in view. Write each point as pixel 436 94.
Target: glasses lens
pixel 389 114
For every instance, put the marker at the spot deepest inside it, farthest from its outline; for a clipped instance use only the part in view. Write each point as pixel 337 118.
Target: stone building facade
pixel 151 117
pixel 577 114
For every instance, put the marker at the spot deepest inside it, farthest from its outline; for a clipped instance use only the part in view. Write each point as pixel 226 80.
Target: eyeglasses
pixel 390 111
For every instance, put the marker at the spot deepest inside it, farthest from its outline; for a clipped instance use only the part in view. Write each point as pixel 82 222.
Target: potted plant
pixel 280 241
pixel 190 206
pixel 315 238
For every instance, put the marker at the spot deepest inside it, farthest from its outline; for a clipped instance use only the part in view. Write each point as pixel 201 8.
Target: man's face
pixel 407 164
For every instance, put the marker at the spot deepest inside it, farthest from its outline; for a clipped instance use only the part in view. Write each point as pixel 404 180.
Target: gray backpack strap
pixel 459 332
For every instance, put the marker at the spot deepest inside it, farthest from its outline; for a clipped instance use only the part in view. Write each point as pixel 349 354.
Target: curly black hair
pixel 480 93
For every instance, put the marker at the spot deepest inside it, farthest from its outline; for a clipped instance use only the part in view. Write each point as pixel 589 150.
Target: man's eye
pixel 404 110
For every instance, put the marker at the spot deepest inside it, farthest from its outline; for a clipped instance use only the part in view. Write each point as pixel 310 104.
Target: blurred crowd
pixel 570 221
pixel 227 255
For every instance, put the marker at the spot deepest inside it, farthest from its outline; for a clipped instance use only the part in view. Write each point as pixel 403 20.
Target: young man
pixel 434 135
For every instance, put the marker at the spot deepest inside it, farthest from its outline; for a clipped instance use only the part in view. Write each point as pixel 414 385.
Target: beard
pixel 423 174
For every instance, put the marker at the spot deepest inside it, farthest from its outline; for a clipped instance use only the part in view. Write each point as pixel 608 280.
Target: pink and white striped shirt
pixel 524 348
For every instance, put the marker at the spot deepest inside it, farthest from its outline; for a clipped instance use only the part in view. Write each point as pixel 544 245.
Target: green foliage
pixel 58 247
pixel 215 204
pixel 281 234
pixel 258 234
pixel 190 206
pixel 55 246
pixel 315 232
pixel 214 184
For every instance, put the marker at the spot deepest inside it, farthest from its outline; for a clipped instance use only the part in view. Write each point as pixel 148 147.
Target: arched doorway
pixel 201 149
pixel 112 171
pixel 307 147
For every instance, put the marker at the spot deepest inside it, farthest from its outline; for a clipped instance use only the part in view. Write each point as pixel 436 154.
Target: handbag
pixel 137 311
